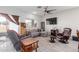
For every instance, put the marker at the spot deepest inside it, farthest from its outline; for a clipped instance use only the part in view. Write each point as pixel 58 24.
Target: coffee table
pixel 29 44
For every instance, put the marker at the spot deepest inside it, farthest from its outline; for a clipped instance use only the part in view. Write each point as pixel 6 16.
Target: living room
pixel 33 24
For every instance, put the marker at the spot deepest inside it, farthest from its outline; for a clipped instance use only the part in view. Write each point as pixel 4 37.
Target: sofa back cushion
pixel 13 36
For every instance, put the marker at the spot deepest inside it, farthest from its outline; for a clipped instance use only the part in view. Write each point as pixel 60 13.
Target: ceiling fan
pixel 46 10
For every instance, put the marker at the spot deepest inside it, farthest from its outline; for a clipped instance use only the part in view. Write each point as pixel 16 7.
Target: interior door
pixel 22 28
pixel 43 26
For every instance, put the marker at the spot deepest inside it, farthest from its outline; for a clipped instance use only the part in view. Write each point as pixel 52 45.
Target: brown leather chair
pixel 65 35
pixel 78 39
pixel 53 36
pixel 78 34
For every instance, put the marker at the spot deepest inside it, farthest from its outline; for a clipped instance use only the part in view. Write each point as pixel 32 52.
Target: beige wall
pixel 67 18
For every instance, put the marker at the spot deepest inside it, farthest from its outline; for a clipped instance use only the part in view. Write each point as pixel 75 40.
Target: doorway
pixel 43 26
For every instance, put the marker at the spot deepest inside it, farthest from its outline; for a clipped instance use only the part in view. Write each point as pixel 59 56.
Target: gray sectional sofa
pixel 15 39
pixel 34 33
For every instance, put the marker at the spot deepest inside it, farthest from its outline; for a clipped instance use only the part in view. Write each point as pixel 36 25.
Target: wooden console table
pixel 29 44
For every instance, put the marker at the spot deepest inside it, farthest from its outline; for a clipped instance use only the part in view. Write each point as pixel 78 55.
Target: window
pixel 13 26
pixel 3 24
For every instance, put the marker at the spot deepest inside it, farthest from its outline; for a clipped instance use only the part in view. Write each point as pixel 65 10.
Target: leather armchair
pixel 53 36
pixel 65 35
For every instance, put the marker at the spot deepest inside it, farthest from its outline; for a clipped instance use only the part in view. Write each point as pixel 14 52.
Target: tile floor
pixel 44 45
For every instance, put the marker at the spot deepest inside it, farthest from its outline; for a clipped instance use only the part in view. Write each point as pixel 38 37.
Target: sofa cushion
pixel 14 39
pixel 13 36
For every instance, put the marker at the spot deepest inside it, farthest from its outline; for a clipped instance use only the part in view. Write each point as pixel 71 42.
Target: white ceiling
pixel 31 9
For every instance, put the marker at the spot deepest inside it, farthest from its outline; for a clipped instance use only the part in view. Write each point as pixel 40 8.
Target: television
pixel 52 21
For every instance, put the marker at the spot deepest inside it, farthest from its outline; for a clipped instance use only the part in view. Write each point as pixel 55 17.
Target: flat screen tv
pixel 52 21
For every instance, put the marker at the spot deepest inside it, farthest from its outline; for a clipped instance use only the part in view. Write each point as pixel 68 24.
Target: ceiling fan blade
pixel 46 7
pixel 50 13
pixel 39 6
pixel 52 10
